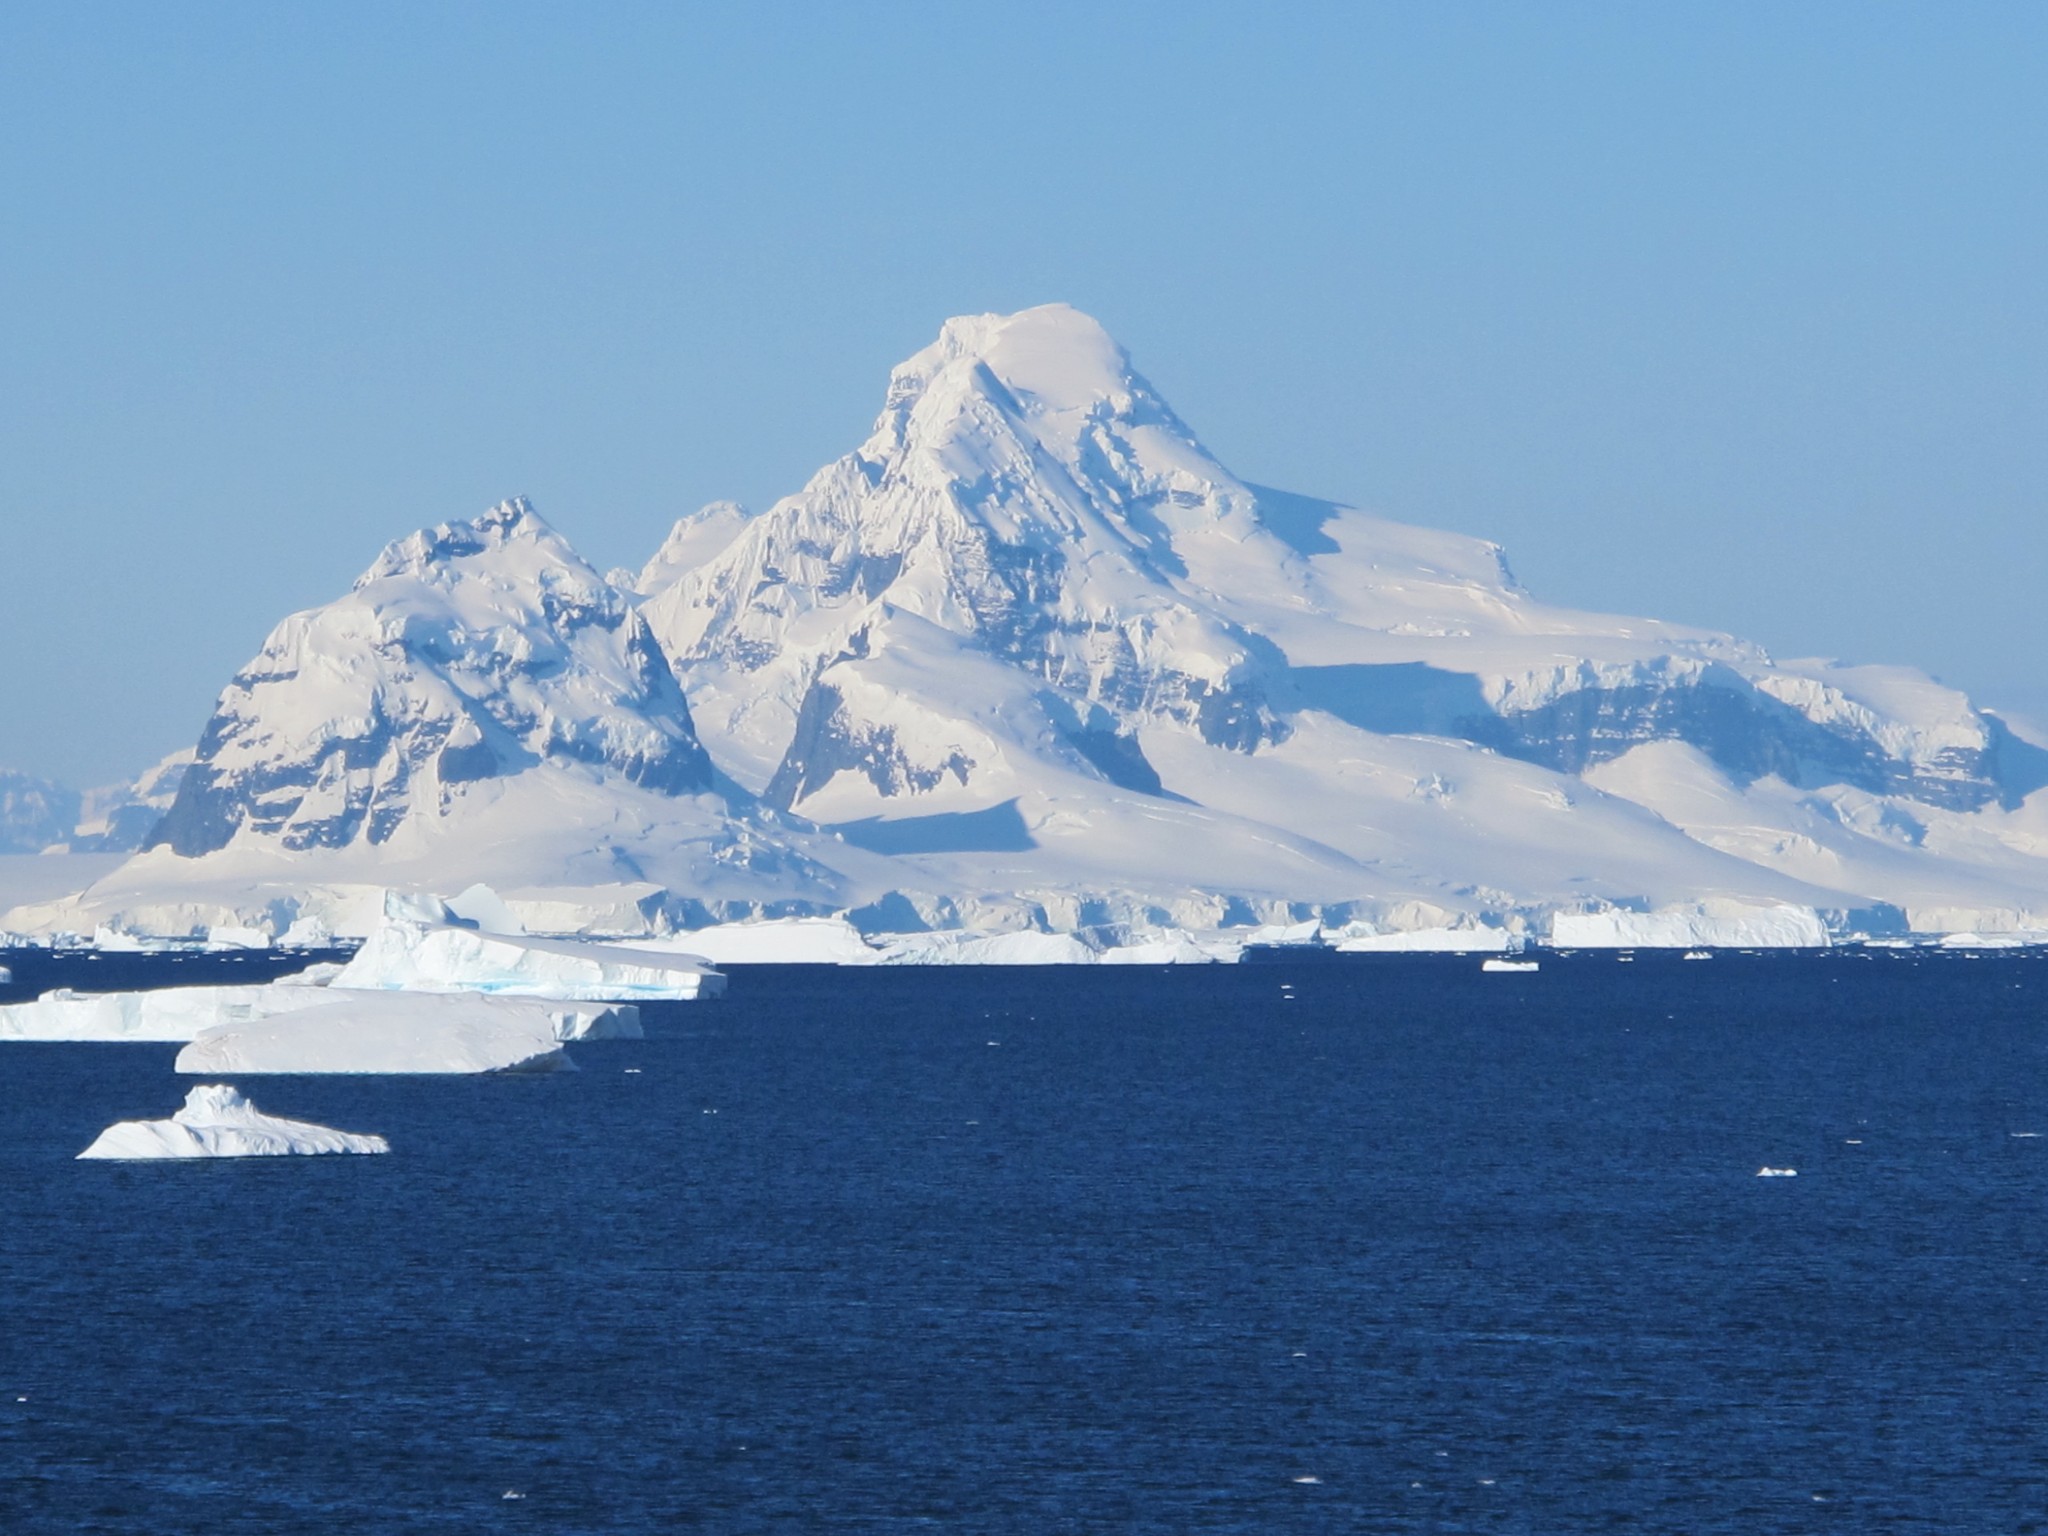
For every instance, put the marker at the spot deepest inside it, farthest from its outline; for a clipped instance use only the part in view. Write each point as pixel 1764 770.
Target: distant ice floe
pixel 218 1122
pixel 1777 1173
pixel 1500 965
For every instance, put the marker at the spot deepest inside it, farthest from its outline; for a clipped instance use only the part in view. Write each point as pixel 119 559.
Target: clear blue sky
pixel 1733 314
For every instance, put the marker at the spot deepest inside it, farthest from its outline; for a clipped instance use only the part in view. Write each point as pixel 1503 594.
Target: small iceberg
pixel 1697 954
pixel 1509 965
pixel 218 1122
pixel 1777 1173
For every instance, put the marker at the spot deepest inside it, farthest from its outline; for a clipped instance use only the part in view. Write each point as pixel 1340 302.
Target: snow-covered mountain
pixel 481 706
pixel 464 656
pixel 1030 654
pixel 1033 617
pixel 34 813
pixel 37 816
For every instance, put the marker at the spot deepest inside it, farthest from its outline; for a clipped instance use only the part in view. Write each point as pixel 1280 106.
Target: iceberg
pixel 218 1122
pixel 406 957
pixel 404 1032
pixel 231 937
pixel 1171 947
pixel 170 1013
pixel 1709 924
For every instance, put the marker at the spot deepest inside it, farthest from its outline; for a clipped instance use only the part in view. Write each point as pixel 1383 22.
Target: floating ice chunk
pixel 306 932
pixel 1777 1173
pixel 1698 954
pixel 1510 965
pixel 6 976
pixel 1990 940
pixel 410 1032
pixel 218 1122
pixel 404 957
pixel 224 937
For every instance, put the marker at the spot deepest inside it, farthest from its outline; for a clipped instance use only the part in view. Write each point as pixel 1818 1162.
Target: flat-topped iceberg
pixel 407 957
pixel 218 1122
pixel 1714 923
pixel 410 1032
pixel 169 1013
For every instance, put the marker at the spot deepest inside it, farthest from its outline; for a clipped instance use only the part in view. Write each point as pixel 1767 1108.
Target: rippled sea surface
pixel 1380 1246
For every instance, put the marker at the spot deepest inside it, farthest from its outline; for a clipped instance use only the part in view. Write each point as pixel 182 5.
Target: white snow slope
pixel 1036 659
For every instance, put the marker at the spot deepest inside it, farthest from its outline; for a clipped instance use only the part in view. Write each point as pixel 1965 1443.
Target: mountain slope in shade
pixel 1033 613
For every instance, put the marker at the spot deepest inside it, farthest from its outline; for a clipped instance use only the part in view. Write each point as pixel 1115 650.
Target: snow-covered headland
pixel 1031 661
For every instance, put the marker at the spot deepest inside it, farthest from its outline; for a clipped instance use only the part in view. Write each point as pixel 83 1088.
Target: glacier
pixel 218 1122
pixel 1030 659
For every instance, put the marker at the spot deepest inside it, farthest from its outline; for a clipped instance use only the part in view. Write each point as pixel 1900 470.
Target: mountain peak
pixel 466 655
pixel 1052 355
pixel 511 521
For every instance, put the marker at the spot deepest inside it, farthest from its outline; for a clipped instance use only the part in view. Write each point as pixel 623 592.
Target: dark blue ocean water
pixel 1048 1250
